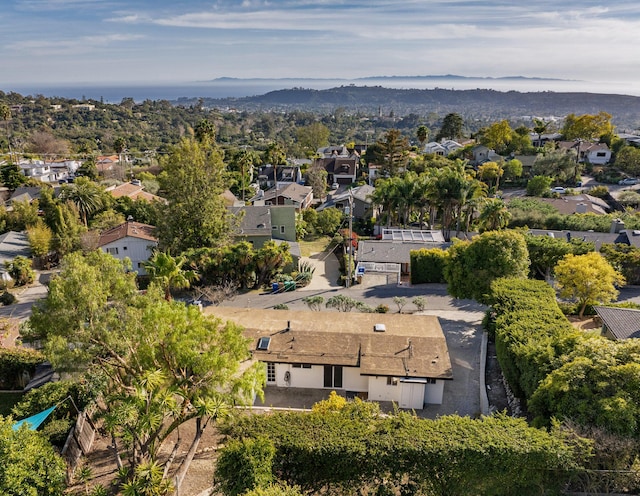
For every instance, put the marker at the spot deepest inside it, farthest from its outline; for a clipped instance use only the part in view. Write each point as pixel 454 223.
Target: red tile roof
pixel 132 229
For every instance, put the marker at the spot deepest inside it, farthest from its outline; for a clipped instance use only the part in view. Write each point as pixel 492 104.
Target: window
pixel 281 229
pixel 271 373
pixel 112 251
pixel 301 365
pixel 392 381
pixel 274 228
pixel 601 154
pixel 333 376
pixel 124 248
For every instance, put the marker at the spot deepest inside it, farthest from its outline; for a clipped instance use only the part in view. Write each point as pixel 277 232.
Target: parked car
pixel 628 181
pixel 559 190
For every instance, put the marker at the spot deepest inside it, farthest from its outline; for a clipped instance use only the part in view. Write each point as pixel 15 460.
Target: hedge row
pixel 346 452
pixel 427 265
pixel 531 332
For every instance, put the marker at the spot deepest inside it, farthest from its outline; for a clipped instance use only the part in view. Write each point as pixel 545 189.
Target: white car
pixel 628 181
pixel 559 190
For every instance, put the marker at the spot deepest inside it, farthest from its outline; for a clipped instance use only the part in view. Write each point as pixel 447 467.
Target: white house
pixel 131 240
pixel 378 357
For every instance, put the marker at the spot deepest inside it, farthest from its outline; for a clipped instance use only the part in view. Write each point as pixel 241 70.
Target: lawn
pixel 313 245
pixel 7 400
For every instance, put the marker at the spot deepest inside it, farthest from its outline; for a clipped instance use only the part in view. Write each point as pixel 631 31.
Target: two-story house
pixel 132 240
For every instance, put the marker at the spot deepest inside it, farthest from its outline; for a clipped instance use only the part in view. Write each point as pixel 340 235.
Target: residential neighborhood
pixel 317 277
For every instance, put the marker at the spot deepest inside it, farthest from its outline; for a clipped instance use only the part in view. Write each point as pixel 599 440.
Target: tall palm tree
pixel 87 196
pixel 168 273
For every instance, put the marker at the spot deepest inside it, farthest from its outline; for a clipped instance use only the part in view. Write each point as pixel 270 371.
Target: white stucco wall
pixel 135 249
pixel 380 391
pixel 353 381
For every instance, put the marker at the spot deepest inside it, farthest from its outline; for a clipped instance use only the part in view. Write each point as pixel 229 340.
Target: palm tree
pixel 493 215
pixel 87 196
pixel 540 127
pixel 168 273
pixel 422 134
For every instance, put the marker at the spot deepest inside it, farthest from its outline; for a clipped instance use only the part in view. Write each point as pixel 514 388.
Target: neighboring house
pixel 378 357
pixel 593 153
pixel 527 162
pixel 392 254
pixel 134 190
pixel 482 154
pixel 84 106
pixel 286 174
pixel 24 193
pixel 362 205
pixel 106 163
pixel 619 323
pixel 12 245
pixel 444 148
pixel 333 151
pixel 544 138
pixel 578 204
pixel 131 240
pixel 292 194
pixel 375 172
pixel 340 170
pixel 260 224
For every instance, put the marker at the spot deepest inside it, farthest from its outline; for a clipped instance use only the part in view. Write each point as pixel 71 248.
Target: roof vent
pixel 379 328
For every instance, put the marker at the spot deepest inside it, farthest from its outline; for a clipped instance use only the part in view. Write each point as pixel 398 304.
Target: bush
pixel 21 271
pixel 382 308
pixel 427 265
pixel 7 298
pixel 17 366
pixel 281 306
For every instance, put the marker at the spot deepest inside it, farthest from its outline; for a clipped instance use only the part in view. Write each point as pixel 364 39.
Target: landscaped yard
pixel 316 245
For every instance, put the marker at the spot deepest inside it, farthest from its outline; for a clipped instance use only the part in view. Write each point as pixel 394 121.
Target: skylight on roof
pixel 263 343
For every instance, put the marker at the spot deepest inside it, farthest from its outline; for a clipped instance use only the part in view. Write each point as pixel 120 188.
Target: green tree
pixel 20 270
pixel 451 127
pixel 317 179
pixel 558 164
pixel 328 221
pixel 246 465
pixel 393 150
pixel 490 172
pixel 23 215
pixel 628 160
pixel 313 136
pixel 270 260
pixel 314 302
pixel 11 176
pixel 539 127
pixel 587 126
pixel 205 132
pixel 497 136
pixel 538 185
pixel 472 266
pixel 28 463
pixel 494 215
pixel 167 272
pixel 422 133
pixel 275 154
pixel 195 214
pixel 88 169
pixel 167 363
pixel 512 169
pixel 545 252
pixel 88 197
pixel 588 279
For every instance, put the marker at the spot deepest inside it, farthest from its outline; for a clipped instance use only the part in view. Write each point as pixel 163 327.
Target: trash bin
pixel 274 287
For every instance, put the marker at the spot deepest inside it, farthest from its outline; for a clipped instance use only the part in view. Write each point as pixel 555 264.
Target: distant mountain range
pixel 392 78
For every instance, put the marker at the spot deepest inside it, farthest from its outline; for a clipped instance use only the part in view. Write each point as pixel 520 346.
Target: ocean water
pixel 237 88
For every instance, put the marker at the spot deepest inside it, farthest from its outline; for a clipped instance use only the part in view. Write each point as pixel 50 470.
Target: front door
pixel 333 376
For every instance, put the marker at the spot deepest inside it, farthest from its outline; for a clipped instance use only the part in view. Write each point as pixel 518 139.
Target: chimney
pixel 288 325
pixel 617 225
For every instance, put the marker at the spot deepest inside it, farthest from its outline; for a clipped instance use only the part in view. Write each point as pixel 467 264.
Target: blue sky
pixel 107 41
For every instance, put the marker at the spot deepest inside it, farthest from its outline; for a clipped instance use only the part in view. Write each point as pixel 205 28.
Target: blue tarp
pixel 34 421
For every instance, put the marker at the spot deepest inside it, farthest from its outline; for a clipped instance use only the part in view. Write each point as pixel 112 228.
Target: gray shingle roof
pixel 623 323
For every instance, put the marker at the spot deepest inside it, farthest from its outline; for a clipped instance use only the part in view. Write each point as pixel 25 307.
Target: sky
pixel 167 41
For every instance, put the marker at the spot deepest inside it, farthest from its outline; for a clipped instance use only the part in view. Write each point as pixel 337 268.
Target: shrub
pixel 20 270
pixel 7 298
pixel 17 366
pixel 281 306
pixel 427 265
pixel 382 308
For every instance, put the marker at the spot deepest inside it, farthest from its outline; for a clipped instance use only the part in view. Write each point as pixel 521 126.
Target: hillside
pixel 478 103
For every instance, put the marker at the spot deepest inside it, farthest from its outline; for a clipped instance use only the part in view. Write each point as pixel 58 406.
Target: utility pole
pixel 350 245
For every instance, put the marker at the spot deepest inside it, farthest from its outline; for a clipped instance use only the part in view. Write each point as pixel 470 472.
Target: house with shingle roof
pixel 134 190
pixel 619 323
pixel 292 194
pixel 132 240
pixel 378 357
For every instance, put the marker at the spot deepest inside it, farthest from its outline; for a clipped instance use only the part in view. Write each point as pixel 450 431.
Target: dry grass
pixel 315 245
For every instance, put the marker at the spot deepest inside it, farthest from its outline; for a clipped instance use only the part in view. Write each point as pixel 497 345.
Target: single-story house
pixel 593 153
pixel 134 190
pixel 392 253
pixel 378 357
pixel 444 148
pixel 132 240
pixel 619 323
